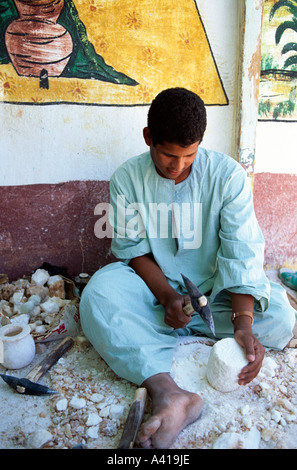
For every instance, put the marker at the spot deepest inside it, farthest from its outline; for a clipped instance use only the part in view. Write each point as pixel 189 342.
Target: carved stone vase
pixel 17 347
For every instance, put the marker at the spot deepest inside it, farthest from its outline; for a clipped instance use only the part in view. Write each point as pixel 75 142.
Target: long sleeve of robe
pixel 204 227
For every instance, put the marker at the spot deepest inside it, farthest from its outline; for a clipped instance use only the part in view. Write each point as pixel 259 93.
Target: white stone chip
pixel 77 403
pixel 50 306
pixel 116 411
pixel 62 404
pixel 93 419
pixel 40 277
pixel 235 440
pixel 96 397
pixel 17 297
pixel 22 319
pixel 53 279
pixel 104 413
pixel 41 329
pixel 276 415
pixel 225 362
pixel 38 439
pixel 92 432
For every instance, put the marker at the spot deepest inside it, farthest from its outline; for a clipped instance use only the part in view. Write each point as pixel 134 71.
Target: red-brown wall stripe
pixel 54 223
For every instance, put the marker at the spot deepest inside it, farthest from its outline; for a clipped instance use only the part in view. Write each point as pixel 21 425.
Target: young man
pixel 179 208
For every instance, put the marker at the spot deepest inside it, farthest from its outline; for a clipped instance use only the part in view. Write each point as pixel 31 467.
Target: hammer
pixel 27 385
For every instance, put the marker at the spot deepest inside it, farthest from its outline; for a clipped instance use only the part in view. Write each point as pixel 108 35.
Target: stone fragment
pixel 235 440
pixel 33 289
pixel 104 413
pixel 67 431
pixel 29 306
pixel 247 421
pixel 17 297
pixel 22 319
pixel 77 403
pixel 40 277
pixel 62 404
pixel 116 411
pixel 92 432
pixel 35 312
pixel 267 433
pixel 40 329
pixel 5 308
pixel 93 419
pixel 96 397
pixel 7 290
pixel 276 415
pixel 4 320
pixel 38 439
pixel 108 427
pixel 56 287
pixel 50 306
pixel 244 410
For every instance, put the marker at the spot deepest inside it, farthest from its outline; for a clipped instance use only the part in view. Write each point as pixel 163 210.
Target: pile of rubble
pixel 49 304
pixel 89 409
pixel 92 403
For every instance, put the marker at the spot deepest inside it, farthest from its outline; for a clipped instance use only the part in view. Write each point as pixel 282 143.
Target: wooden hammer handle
pixel 188 309
pixel 134 419
pixel 38 371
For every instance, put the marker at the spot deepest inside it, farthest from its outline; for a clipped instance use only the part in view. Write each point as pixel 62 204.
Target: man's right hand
pixel 174 314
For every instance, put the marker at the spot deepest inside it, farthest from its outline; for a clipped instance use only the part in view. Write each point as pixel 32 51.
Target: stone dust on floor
pixel 92 403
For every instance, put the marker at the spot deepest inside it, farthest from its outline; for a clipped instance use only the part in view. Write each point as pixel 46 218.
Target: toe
pixel 147 430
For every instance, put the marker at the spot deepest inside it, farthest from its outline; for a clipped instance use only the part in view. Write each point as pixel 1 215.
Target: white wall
pixel 276 149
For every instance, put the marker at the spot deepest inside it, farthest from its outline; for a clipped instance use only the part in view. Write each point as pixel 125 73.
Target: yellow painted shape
pixel 158 43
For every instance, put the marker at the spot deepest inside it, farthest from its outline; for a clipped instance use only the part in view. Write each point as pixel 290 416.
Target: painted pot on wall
pixel 35 41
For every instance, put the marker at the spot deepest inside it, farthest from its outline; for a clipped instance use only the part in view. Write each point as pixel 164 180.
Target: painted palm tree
pixel 288 24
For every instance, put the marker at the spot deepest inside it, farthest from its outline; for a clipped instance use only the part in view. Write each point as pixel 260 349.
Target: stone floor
pixel 92 403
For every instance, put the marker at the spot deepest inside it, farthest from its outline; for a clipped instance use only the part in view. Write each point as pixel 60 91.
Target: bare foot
pixel 173 409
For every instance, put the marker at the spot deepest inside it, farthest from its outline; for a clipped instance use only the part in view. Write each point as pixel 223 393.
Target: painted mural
pixel 278 81
pixel 119 52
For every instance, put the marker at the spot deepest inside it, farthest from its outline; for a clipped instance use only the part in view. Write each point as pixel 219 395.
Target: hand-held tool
pixel 199 304
pixel 27 385
pixel 134 419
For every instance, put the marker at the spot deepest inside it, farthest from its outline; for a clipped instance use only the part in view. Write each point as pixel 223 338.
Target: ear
pixel 147 136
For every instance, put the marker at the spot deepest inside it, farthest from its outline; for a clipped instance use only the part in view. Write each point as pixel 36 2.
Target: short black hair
pixel 178 116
